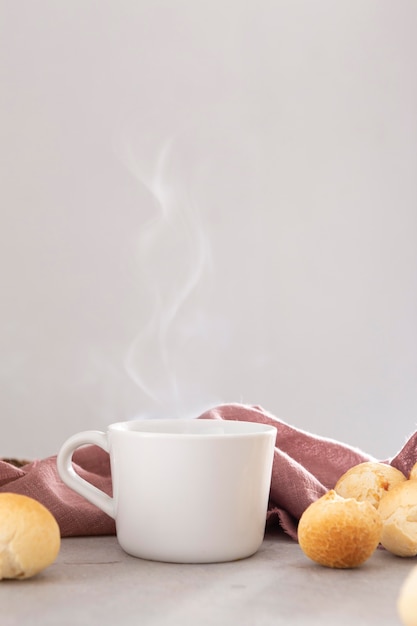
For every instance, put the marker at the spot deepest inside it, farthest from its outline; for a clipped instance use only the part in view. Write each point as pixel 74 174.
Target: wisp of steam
pixel 173 254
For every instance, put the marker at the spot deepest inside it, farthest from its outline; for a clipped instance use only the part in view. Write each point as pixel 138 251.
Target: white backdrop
pixel 208 202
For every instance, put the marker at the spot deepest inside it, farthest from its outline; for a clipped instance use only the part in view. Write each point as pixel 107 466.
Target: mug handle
pixel 73 480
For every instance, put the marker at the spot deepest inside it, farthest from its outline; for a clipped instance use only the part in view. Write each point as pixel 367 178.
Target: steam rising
pixel 173 256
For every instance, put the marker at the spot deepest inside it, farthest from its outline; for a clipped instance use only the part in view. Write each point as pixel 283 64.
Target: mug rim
pixel 231 428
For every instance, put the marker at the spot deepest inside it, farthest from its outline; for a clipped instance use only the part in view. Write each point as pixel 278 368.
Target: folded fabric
pixel 40 480
pixel 305 467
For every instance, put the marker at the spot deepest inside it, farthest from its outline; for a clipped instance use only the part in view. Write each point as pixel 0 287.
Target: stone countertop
pixel 94 582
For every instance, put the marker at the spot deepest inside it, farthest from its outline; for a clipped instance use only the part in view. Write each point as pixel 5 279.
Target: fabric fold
pixel 40 480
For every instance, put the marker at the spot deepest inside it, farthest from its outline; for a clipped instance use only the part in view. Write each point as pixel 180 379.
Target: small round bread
pixel 338 532
pixel 398 512
pixel 368 481
pixel 29 536
pixel 407 599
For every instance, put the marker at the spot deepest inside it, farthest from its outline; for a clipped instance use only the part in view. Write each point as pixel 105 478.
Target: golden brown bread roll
pixel 368 481
pixel 398 511
pixel 339 532
pixel 407 599
pixel 29 536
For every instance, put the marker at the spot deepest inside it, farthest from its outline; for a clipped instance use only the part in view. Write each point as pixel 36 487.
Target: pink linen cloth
pixel 305 467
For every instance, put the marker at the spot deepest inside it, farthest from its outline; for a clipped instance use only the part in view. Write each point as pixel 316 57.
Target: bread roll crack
pixel 412 515
pixel 10 567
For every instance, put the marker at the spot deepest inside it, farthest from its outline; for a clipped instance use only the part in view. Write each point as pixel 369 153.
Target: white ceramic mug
pixel 184 490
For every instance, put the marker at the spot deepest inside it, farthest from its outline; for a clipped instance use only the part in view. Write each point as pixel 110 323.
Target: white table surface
pixel 94 582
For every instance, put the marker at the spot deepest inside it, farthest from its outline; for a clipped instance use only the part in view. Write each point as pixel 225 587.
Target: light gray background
pixel 207 202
